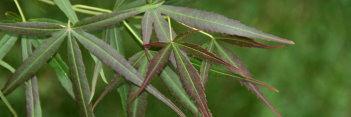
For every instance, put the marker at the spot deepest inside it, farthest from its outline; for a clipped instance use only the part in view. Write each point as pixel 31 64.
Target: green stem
pixel 133 32
pixel 20 10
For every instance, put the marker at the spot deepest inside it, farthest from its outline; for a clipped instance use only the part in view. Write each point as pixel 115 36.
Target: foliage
pixel 171 57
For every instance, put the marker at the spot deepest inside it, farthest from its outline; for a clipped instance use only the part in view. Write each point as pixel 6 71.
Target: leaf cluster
pixel 181 64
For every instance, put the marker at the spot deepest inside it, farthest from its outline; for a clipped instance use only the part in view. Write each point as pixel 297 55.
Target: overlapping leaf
pixel 34 62
pixel 31 28
pixel 79 80
pixel 191 81
pixel 233 60
pixel 32 90
pixel 156 65
pixel 109 19
pixel 61 69
pixel 204 20
pixel 66 8
pixel 245 42
pixel 206 65
pixel 117 62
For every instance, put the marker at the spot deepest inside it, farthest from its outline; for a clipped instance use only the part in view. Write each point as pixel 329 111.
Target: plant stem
pixel 20 10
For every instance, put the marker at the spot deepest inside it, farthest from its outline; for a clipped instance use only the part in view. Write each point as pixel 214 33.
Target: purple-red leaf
pixel 246 42
pixel 205 65
pixel 202 53
pixel 234 60
pixel 156 65
pixel 191 81
pixel 164 32
pixel 208 21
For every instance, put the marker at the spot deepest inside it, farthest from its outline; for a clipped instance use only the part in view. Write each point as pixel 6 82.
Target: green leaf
pixel 66 7
pixel 105 20
pixel 163 30
pixel 31 86
pixel 31 65
pixel 80 82
pixel 6 43
pixel 8 105
pixel 31 28
pixel 156 65
pixel 118 4
pixel 245 42
pixel 146 26
pixel 61 69
pixel 233 60
pixel 191 81
pixel 117 62
pixel 208 21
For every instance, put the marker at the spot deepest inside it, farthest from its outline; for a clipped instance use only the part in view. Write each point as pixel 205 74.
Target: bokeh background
pixel 313 75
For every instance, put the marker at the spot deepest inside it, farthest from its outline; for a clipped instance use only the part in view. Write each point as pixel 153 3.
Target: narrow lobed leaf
pixel 106 20
pixel 146 26
pixel 31 65
pixel 117 62
pixel 208 21
pixel 191 81
pixel 79 80
pixel 33 106
pixel 246 42
pixel 31 28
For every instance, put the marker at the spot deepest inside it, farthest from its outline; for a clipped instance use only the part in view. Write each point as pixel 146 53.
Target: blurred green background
pixel 313 75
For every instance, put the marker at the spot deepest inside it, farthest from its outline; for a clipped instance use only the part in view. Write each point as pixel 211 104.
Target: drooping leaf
pixel 79 80
pixel 6 43
pixel 206 65
pixel 117 62
pixel 232 59
pixel 146 26
pixel 31 65
pixel 245 42
pixel 8 105
pixel 105 20
pixel 163 31
pixel 208 21
pixel 31 28
pixel 66 7
pixel 61 69
pixel 32 90
pixel 156 65
pixel 191 81
pixel 115 82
